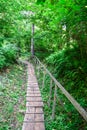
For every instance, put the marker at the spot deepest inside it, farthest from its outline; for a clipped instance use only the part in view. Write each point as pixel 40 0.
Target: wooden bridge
pixel 34 116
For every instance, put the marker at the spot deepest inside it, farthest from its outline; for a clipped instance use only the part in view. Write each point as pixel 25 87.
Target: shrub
pixel 70 69
pixel 8 55
pixel 2 59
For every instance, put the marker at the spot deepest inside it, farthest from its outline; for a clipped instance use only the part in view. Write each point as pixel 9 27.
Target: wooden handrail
pixel 80 109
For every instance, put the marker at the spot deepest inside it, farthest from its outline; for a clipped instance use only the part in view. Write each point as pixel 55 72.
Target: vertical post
pixel 32 41
pixel 50 93
pixel 38 71
pixel 43 82
pixel 35 63
pixel 1 81
pixel 54 102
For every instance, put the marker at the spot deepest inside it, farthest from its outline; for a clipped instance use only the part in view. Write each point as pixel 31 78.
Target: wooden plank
pixel 30 109
pixel 29 118
pixel 38 110
pixel 36 104
pixel 32 85
pixel 29 126
pixel 31 82
pixel 39 126
pixel 33 92
pixel 33 99
pixel 33 126
pixel 33 89
pixel 32 78
pixel 39 117
pixel 32 95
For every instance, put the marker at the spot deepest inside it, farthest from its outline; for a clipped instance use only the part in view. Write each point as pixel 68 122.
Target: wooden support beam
pixel 50 94
pixel 54 102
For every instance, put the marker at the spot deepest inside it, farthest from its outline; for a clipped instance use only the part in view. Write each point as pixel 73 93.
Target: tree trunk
pixel 32 41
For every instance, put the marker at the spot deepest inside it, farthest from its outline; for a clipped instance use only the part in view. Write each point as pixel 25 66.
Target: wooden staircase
pixel 34 116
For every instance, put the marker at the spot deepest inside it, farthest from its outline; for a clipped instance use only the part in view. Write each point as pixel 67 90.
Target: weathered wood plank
pixel 33 89
pixel 39 126
pixel 33 99
pixel 33 126
pixel 35 104
pixel 33 94
pixel 38 110
pixel 29 118
pixel 28 126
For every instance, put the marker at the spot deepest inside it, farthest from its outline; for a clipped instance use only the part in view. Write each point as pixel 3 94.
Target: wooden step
pixel 33 126
pixel 33 92
pixel 33 99
pixel 33 89
pixel 34 118
pixel 38 110
pixel 33 95
pixel 34 104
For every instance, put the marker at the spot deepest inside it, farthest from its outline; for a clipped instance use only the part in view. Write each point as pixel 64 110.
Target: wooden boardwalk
pixel 34 116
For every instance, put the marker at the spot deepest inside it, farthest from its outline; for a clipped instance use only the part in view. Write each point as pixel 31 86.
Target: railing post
pixel 50 93
pixel 38 71
pixel 54 103
pixel 34 59
pixel 1 81
pixel 43 82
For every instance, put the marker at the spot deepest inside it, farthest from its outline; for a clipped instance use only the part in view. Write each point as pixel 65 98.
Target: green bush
pixel 2 60
pixel 8 55
pixel 70 69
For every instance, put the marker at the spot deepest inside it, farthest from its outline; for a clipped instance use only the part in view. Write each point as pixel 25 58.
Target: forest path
pixel 34 116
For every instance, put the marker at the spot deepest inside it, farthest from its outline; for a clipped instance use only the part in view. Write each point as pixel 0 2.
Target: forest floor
pixel 12 97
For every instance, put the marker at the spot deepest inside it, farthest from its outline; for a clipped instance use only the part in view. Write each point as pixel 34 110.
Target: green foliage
pixel 2 60
pixel 71 70
pixel 40 1
pixel 66 116
pixel 12 97
pixel 8 54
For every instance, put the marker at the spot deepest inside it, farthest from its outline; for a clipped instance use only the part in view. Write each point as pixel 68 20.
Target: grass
pixel 12 97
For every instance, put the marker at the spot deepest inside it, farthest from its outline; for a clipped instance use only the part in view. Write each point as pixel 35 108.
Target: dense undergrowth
pixel 12 97
pixel 71 70
pixel 66 116
pixel 8 55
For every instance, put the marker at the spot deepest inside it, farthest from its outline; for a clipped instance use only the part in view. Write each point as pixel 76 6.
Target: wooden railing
pixel 41 67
